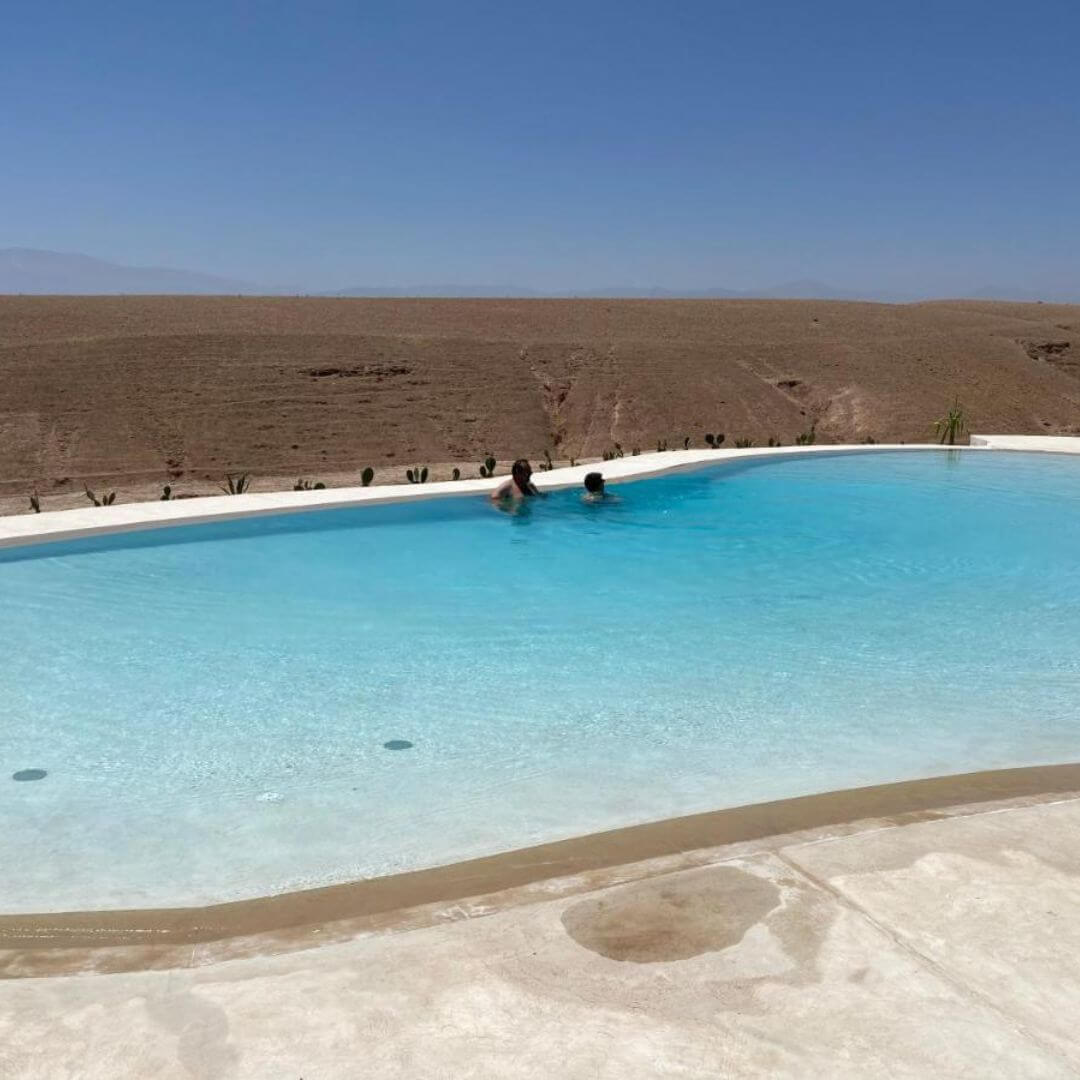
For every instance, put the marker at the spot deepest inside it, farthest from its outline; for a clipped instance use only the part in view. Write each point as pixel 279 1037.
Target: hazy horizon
pixel 569 148
pixel 33 272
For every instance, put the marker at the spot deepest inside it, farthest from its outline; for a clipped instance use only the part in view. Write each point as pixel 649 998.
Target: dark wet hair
pixel 594 483
pixel 521 472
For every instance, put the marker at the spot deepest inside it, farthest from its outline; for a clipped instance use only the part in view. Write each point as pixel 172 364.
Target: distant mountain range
pixel 27 270
pixel 31 271
pixel 795 290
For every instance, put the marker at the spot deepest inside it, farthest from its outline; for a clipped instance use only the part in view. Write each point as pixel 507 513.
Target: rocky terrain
pixel 130 393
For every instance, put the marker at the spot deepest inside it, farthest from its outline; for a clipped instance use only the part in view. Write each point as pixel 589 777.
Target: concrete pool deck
pixel 936 944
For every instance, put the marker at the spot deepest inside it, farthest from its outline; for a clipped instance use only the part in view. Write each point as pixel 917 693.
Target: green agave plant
pixel 952 425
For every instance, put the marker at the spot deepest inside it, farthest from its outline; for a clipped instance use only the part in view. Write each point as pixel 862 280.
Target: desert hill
pixel 132 391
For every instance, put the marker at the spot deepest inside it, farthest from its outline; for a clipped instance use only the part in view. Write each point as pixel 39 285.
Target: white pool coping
pixel 56 525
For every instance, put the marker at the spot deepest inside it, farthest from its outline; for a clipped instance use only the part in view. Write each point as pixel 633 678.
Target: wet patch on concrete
pixel 667 919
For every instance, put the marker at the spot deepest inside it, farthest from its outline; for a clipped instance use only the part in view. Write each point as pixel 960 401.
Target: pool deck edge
pixel 85 942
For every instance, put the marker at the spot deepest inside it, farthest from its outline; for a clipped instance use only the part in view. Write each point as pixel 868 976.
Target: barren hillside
pixel 136 391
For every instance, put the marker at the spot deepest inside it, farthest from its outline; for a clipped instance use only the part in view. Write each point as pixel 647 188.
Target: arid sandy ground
pixel 129 393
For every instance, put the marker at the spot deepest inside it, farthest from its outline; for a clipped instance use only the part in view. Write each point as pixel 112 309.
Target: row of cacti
pixel 240 483
pixel 237 484
pixel 954 423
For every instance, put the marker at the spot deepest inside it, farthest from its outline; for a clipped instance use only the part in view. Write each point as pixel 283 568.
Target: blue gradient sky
pixel 915 147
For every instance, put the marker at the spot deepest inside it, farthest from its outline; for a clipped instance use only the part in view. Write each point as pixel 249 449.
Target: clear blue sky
pixel 914 146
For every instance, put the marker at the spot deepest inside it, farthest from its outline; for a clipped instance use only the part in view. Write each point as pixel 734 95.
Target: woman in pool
pixel 519 486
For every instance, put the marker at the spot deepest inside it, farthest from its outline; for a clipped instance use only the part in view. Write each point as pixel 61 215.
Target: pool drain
pixel 29 774
pixel 397 744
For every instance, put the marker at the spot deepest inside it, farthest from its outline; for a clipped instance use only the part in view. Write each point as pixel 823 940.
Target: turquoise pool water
pixel 210 703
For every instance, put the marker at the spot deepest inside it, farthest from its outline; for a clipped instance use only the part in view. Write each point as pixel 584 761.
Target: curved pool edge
pixel 55 525
pixel 123 940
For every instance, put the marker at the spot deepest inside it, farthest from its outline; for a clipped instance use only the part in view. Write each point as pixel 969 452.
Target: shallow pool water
pixel 229 710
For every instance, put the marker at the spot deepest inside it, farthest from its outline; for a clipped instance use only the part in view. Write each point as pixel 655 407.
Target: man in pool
pixel 518 487
pixel 594 489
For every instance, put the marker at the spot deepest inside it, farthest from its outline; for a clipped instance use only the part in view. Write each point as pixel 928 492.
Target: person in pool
pixel 594 487
pixel 595 491
pixel 519 486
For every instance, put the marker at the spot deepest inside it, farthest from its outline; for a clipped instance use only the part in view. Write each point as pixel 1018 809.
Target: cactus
pixel 807 438
pixel 547 464
pixel 635 451
pixel 686 442
pixel 743 444
pixel 715 441
pixel 455 474
pixel 774 441
pixel 236 483
pixel 418 475
pixel 166 493
pixel 367 476
pixel 307 485
pixel 106 499
pixel 661 445
pixel 488 468
pixel 35 501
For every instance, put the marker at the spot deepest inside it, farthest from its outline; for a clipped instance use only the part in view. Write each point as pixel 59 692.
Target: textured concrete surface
pixel 1053 444
pixel 946 947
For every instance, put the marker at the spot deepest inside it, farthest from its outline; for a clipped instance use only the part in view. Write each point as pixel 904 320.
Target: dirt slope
pixel 130 391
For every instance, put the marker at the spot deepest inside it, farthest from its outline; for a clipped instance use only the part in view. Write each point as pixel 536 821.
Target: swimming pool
pixel 211 704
